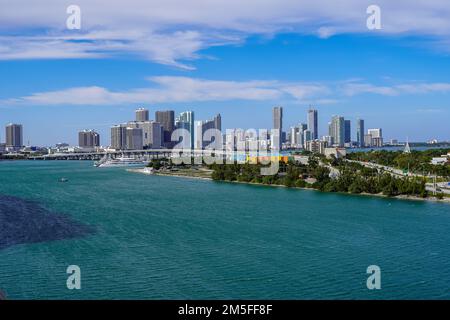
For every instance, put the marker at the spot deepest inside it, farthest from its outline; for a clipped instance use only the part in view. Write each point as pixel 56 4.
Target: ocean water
pixel 153 237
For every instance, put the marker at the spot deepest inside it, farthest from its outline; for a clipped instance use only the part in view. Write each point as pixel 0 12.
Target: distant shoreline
pixel 379 195
pixel 170 174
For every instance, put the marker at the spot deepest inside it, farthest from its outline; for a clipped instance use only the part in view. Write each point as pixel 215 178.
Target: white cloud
pixel 351 89
pixel 429 110
pixel 303 91
pixel 174 89
pixel 164 49
pixel 423 87
pixel 325 32
pixel 170 31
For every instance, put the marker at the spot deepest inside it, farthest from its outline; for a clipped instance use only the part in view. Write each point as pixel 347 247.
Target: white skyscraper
pixel 277 115
pixel 198 134
pixel 337 129
pixel 294 136
pixel 376 137
pixel 375 133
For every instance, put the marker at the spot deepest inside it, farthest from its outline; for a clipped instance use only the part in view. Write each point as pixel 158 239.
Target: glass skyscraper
pixel 360 132
pixel 186 121
pixel 313 123
pixel 348 131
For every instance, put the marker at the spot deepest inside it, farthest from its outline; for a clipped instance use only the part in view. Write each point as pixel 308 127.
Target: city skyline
pixel 393 77
pixel 265 119
pixel 341 131
pixel 144 133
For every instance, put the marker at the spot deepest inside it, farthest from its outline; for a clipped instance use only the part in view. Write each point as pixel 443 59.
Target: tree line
pixel 351 177
pixel 417 161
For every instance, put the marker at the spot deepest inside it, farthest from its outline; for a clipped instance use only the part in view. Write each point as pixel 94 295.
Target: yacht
pixel 119 162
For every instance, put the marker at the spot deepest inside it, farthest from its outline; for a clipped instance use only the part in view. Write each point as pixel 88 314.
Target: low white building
pixel 316 146
pixel 337 152
pixel 440 160
pixel 301 159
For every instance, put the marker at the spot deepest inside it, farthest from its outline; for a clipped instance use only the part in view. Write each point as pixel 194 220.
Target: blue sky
pixel 55 86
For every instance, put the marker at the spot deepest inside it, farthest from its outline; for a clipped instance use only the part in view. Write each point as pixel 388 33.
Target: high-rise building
pixel 218 122
pixel 368 140
pixel 303 126
pixel 134 138
pixel 337 130
pixel 375 133
pixel 299 135
pixel 328 139
pixel 119 137
pixel 313 123
pixel 151 133
pixel 167 121
pixel 277 115
pixel 347 131
pixel 360 132
pixel 88 139
pixel 307 136
pixel 294 137
pixel 201 127
pixel 14 136
pixel 377 137
pixel 289 136
pixel 153 139
pixel 142 114
pixel 186 121
pixel 198 133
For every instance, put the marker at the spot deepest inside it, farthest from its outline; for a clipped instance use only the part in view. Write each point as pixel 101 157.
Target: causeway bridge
pixel 146 154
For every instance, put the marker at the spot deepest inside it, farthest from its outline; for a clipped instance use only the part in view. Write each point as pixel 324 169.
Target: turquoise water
pixel 153 237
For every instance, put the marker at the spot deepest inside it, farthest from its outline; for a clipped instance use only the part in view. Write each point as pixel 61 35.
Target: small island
pixel 380 173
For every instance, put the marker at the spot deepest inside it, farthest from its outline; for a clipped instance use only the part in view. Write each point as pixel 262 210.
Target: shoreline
pixel 379 195
pixel 142 171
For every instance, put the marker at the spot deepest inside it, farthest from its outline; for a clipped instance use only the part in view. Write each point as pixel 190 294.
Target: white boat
pixel 120 162
pixel 148 170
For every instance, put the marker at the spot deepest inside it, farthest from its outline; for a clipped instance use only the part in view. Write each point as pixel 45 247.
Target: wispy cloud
pixel 352 89
pixel 174 89
pixel 165 49
pixel 429 110
pixel 355 88
pixel 173 32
